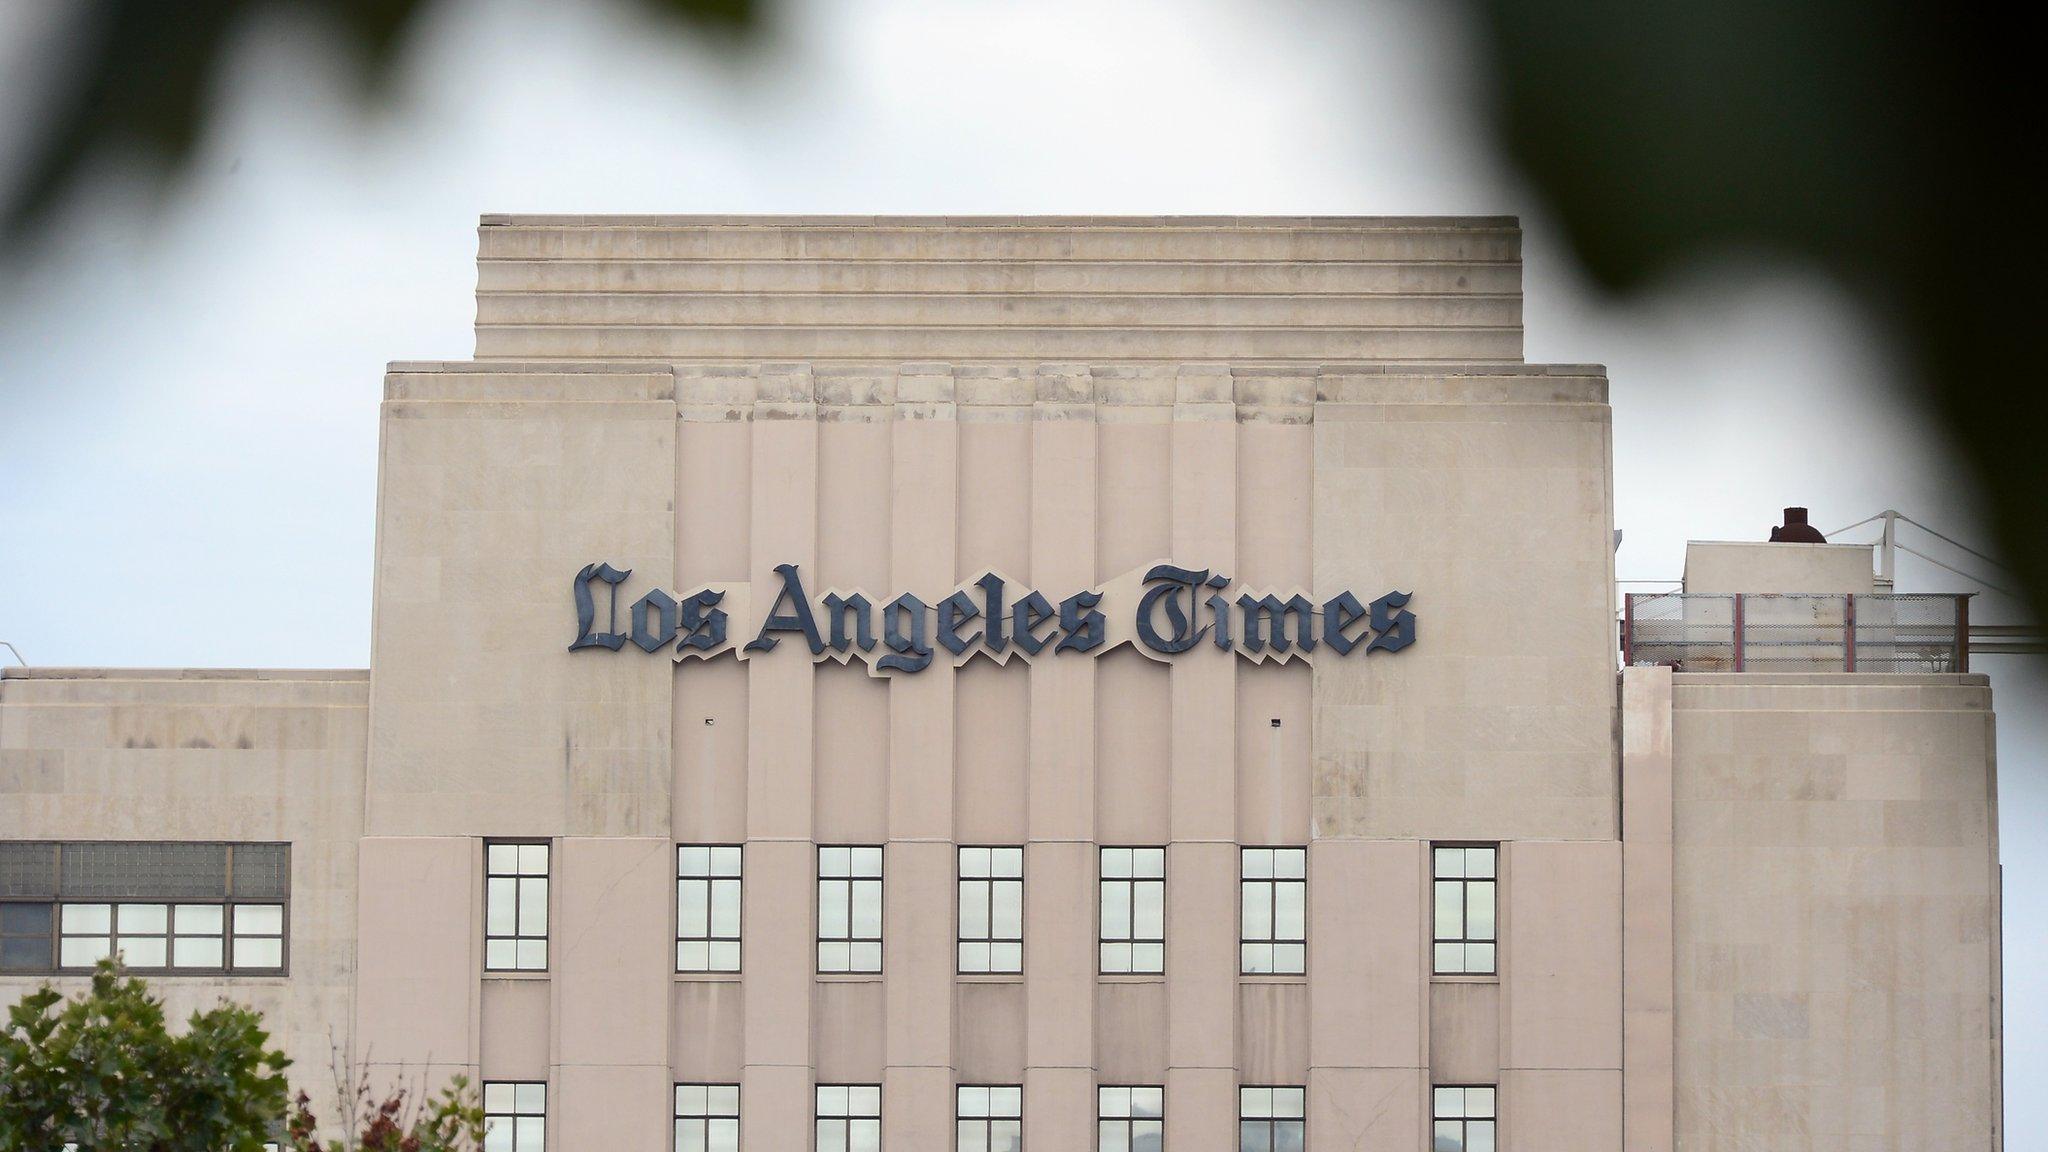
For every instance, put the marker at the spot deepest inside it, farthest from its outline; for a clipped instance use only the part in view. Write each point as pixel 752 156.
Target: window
pixel 991 910
pixel 989 1119
pixel 1273 910
pixel 515 1116
pixel 25 934
pixel 1130 1119
pixel 1269 1120
pixel 707 908
pixel 163 907
pixel 515 907
pixel 1465 882
pixel 196 936
pixel 1461 1119
pixel 849 1117
pixel 1133 910
pixel 259 936
pixel 849 909
pixel 707 1118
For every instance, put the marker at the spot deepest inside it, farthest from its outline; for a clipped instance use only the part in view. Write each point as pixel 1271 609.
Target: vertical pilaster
pixel 1368 981
pixel 1060 947
pixel 417 962
pixel 1648 958
pixel 611 966
pixel 1201 935
pixel 779 956
pixel 918 940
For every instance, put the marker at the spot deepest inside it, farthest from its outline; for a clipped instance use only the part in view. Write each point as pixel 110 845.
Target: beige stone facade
pixel 1748 911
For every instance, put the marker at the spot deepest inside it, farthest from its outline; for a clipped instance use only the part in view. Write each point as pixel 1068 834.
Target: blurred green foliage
pixel 1882 142
pixel 134 75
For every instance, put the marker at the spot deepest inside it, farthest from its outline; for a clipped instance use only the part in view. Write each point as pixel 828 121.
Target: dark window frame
pixel 519 879
pixel 1464 1119
pixel 1130 883
pixel 1129 1120
pixel 1269 1119
pixel 989 1119
pixel 852 938
pixel 228 901
pixel 709 1114
pixel 1464 939
pixel 1272 939
pixel 849 1116
pixel 515 1115
pixel 711 881
pixel 961 940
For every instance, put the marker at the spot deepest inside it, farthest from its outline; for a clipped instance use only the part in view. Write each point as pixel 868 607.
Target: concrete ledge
pixel 62 673
pixel 1845 679
pixel 958 223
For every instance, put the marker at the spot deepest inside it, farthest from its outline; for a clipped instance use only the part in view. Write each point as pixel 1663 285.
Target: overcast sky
pixel 189 388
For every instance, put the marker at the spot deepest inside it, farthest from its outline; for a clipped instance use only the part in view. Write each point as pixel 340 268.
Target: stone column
pixel 777 902
pixel 918 940
pixel 1201 934
pixel 1648 959
pixel 1059 946
pixel 612 967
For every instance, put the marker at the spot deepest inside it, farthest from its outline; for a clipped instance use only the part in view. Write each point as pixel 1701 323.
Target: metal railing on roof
pixel 1772 632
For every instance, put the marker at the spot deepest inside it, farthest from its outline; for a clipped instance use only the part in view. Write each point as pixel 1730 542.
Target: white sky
pixel 188 394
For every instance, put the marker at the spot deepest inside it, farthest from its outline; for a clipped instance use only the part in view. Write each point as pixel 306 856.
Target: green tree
pixel 102 1071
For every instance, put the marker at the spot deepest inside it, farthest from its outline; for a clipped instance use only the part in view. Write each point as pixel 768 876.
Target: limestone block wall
pixel 1489 494
pixel 1161 289
pixel 1836 912
pixel 135 754
pixel 917 477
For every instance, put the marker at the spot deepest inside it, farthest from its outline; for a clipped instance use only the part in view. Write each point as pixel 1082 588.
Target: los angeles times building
pixel 1123 684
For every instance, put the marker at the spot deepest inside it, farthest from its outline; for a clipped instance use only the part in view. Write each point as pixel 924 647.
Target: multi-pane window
pixel 1461 1119
pixel 707 1118
pixel 849 909
pixel 849 1117
pixel 991 910
pixel 1130 1119
pixel 161 907
pixel 1273 910
pixel 259 936
pixel 707 908
pixel 515 907
pixel 1269 1119
pixel 1465 879
pixel 25 934
pixel 989 1119
pixel 515 1116
pixel 1133 905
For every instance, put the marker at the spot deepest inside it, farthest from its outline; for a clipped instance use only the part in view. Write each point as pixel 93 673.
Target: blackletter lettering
pixel 703 622
pixel 586 611
pixel 797 619
pixel 838 608
pixel 954 611
pixel 654 620
pixel 1396 628
pixel 991 586
pixel 1271 613
pixel 1341 612
pixel 1084 626
pixel 911 653
pixel 1033 610
pixel 1166 595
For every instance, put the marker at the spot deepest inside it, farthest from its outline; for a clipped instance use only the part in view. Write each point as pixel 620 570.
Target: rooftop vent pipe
pixel 1796 530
